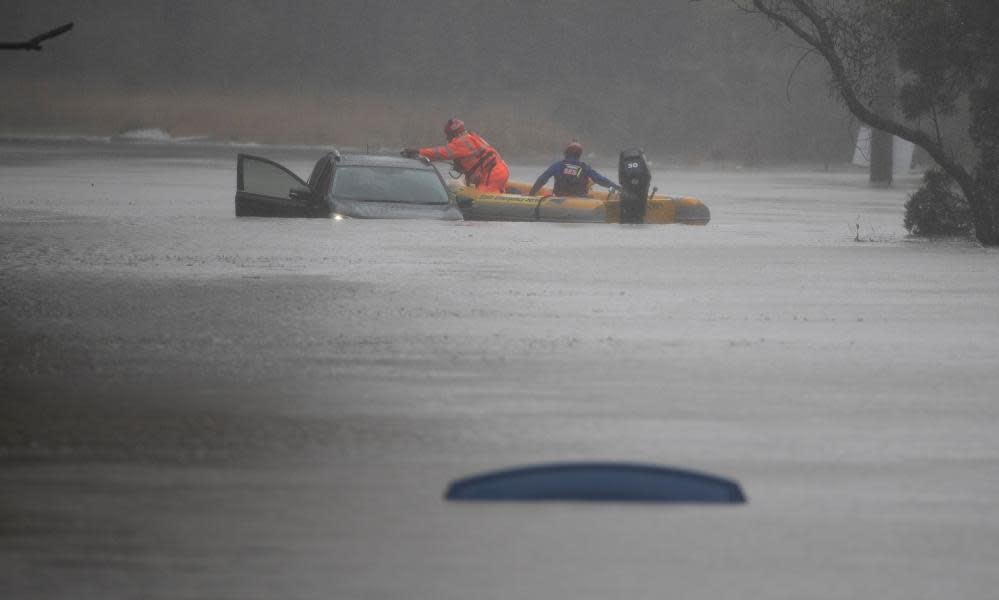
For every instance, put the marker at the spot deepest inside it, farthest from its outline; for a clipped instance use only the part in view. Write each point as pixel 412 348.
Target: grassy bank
pixel 350 120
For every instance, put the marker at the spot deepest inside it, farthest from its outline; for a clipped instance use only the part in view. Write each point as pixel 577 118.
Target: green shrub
pixel 937 208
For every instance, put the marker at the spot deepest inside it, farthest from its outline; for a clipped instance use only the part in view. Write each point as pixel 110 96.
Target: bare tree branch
pixel 35 43
pixel 787 88
pixel 822 39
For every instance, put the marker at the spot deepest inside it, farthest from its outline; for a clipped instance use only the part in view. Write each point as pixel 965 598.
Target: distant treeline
pixel 693 80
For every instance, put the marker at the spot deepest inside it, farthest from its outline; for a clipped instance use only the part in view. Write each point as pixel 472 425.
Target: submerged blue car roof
pixel 597 482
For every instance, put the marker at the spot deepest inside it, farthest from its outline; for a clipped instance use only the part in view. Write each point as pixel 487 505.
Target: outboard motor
pixel 634 177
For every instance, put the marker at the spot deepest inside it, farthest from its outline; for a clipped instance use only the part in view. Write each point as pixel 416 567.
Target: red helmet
pixel 453 128
pixel 574 150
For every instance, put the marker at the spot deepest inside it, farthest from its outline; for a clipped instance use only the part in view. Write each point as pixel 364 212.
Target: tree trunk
pixel 882 159
pixel 882 142
pixel 979 195
pixel 985 133
pixel 983 208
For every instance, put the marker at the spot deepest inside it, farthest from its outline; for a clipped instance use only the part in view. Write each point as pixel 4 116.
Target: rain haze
pixel 200 405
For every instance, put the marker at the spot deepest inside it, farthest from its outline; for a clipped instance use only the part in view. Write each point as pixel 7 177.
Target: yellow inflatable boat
pixel 598 207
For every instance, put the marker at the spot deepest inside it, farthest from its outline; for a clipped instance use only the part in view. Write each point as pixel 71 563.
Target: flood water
pixel 199 406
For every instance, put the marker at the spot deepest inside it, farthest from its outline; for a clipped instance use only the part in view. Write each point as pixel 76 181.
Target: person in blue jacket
pixel 572 175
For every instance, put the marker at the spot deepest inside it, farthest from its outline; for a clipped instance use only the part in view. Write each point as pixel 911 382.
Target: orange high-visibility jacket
pixel 472 155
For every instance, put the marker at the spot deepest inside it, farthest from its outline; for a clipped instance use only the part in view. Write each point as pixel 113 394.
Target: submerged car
pixel 344 185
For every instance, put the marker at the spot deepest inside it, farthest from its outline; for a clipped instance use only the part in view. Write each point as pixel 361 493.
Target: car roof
pixel 381 160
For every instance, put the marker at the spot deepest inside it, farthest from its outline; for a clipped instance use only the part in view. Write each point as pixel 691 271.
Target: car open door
pixel 266 189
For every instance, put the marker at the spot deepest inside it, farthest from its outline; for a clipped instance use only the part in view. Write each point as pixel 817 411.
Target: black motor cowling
pixel 634 176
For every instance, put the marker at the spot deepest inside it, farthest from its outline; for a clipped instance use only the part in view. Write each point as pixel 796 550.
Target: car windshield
pixel 389 184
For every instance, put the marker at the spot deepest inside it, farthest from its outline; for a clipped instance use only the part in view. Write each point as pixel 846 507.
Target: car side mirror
pixel 300 193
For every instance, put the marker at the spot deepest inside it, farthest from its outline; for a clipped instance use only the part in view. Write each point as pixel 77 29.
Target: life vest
pixel 571 179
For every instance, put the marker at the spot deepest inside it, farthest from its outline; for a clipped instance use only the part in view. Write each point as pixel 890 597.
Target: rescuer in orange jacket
pixel 471 155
